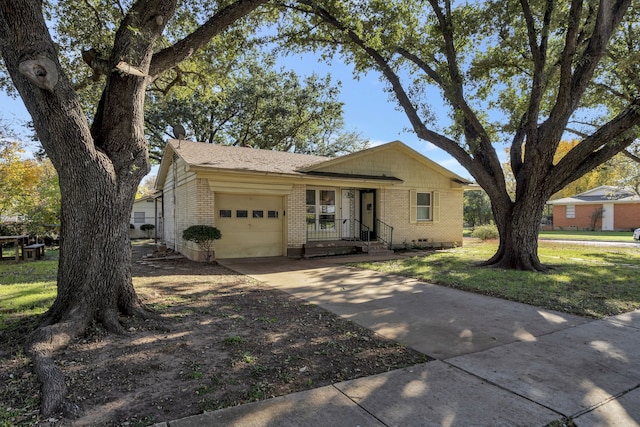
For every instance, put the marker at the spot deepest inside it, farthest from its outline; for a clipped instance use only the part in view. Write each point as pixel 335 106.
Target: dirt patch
pixel 230 340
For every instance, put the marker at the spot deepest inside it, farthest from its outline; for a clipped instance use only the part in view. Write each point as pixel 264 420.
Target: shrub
pixel 147 228
pixel 485 232
pixel 203 235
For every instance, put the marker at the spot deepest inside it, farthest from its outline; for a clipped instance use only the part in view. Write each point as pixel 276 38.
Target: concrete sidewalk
pixel 499 362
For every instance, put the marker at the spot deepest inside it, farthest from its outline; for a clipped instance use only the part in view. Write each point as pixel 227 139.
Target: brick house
pixel 602 208
pixel 269 203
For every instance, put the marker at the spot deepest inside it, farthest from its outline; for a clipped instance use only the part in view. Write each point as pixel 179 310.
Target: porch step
pixel 330 247
pixel 378 248
pixel 342 247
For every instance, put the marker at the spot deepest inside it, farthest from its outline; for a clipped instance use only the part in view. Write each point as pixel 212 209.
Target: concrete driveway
pixel 435 320
pixel 500 363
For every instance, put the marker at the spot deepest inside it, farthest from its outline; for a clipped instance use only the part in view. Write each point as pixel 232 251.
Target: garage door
pixel 251 226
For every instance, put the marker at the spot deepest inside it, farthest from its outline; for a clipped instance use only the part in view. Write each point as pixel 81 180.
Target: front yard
pixel 592 281
pixel 225 340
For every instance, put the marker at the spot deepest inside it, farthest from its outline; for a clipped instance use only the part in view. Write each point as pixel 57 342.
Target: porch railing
pixel 385 233
pixel 339 229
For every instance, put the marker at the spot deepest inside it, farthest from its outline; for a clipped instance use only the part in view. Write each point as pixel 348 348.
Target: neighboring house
pixel 269 203
pixel 601 208
pixel 146 210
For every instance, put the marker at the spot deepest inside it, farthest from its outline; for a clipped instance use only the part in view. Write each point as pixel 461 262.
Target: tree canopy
pixel 257 106
pixel 29 190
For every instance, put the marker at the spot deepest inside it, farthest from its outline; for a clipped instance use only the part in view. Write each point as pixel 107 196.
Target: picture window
pixel 321 210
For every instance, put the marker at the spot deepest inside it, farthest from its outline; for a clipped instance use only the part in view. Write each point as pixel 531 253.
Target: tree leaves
pixel 261 107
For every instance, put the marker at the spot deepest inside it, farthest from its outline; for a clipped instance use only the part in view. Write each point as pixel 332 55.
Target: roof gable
pixel 352 162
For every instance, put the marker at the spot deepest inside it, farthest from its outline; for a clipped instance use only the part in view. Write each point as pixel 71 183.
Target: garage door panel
pixel 257 234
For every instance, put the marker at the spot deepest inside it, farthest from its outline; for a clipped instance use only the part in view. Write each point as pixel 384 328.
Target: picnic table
pixel 18 243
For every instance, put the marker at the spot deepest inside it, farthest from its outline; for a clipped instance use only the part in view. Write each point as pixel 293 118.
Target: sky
pixel 367 109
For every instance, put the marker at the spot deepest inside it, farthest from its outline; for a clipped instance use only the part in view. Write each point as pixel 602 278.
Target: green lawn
pixel 606 236
pixel 588 281
pixel 26 289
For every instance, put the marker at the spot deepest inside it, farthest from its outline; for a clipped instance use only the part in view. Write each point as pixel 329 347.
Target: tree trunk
pixel 519 224
pixel 518 248
pixel 99 171
pixel 94 273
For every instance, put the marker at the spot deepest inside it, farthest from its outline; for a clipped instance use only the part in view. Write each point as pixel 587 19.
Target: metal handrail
pixel 340 229
pixel 385 233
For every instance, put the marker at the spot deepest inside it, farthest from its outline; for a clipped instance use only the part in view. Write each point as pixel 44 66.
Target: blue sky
pixel 367 109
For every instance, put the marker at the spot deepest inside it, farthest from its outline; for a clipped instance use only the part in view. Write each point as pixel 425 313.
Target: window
pixel 242 214
pixel 321 210
pixel 272 214
pixel 225 213
pixel 139 217
pixel 570 211
pixel 258 214
pixel 424 206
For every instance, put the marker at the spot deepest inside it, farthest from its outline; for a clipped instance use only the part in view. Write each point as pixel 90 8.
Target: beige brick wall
pixel 395 209
pixel 296 217
pixel 188 197
pixel 200 201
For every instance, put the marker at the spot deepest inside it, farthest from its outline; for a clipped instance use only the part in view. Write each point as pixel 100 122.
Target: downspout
pixel 175 216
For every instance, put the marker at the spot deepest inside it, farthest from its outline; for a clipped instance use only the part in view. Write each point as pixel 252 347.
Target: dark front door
pixel 368 211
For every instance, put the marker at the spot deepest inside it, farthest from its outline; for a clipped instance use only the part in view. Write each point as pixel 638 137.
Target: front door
pixel 368 210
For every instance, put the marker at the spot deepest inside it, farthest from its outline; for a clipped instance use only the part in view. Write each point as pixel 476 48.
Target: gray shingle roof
pixel 217 156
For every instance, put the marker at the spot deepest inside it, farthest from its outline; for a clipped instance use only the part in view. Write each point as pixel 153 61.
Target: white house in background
pixel 147 210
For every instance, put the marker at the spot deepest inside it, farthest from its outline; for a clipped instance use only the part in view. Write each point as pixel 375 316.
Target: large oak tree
pixel 100 162
pixel 514 73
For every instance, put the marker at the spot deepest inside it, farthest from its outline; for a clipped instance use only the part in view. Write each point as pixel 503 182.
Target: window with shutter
pixel 424 206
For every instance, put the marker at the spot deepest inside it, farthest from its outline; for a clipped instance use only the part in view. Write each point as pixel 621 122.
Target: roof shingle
pixel 217 156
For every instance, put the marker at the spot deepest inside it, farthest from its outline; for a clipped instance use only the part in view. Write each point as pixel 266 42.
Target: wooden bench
pixel 33 252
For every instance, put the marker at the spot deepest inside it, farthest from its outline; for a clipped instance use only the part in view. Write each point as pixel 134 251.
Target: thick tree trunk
pixel 94 278
pixel 94 274
pixel 518 247
pixel 99 166
pixel 519 224
pixel 99 174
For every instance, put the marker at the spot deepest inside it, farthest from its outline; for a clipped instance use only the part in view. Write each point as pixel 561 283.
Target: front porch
pixel 347 236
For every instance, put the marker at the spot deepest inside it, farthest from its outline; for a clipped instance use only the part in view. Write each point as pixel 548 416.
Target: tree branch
pixel 574 83
pixel 599 147
pixel 475 134
pixel 539 56
pixel 169 57
pixel 631 156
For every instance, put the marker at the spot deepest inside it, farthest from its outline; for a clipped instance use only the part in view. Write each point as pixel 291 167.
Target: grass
pixel 604 236
pixel 27 289
pixel 588 281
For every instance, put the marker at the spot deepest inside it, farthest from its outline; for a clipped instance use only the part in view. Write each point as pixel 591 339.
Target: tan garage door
pixel 251 226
